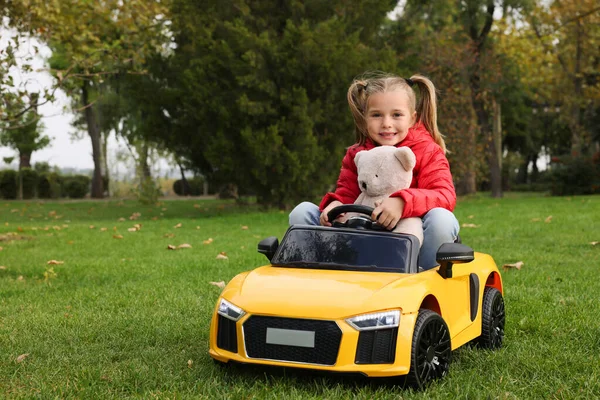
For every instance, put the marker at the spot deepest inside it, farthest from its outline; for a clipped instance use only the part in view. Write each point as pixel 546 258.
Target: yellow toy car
pixel 350 298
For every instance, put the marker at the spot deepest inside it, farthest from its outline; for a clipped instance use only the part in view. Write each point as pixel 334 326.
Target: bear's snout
pixel 363 184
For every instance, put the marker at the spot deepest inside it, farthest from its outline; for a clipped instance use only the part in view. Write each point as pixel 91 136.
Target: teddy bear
pixel 382 171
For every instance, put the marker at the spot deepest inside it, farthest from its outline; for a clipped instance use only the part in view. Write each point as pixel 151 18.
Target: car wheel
pixel 431 351
pixel 493 317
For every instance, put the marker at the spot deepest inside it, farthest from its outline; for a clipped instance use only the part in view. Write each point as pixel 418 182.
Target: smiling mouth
pixel 387 134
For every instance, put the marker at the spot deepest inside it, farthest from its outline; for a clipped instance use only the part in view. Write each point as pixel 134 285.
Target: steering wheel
pixel 363 221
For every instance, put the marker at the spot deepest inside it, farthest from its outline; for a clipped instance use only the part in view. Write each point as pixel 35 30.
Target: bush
pixel 574 176
pixel 49 185
pixel 229 191
pixel 194 187
pixel 76 186
pixel 148 192
pixel 30 180
pixel 8 184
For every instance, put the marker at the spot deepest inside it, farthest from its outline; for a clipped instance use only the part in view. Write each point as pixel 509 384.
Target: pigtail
pixel 357 100
pixel 427 108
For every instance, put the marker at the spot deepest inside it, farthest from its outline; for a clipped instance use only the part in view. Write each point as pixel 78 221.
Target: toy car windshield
pixel 347 249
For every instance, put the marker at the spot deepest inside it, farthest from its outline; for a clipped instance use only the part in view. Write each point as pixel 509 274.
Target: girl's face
pixel 389 117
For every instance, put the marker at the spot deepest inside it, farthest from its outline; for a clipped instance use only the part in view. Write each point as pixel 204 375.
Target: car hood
pixel 316 293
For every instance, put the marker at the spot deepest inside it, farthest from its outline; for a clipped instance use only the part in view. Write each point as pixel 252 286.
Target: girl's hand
pixel 323 219
pixel 388 212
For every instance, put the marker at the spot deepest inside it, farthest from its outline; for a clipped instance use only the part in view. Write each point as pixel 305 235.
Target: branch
pixel 86 106
pixel 489 20
pixel 580 16
pixel 551 50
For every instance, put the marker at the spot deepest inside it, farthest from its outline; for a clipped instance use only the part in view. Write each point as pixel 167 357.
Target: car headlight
pixel 379 320
pixel 230 311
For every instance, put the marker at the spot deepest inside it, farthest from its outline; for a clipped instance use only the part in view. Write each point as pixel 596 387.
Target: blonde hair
pixel 362 88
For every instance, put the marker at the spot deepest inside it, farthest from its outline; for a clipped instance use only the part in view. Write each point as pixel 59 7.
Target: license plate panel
pixel 291 337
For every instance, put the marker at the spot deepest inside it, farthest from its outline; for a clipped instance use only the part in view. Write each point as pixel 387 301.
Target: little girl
pixel 386 113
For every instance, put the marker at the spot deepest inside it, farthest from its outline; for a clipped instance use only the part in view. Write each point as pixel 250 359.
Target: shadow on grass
pixel 309 378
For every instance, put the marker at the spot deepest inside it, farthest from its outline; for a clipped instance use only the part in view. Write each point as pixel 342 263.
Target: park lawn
pixel 126 317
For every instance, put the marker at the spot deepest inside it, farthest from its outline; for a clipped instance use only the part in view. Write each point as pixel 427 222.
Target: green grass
pixel 122 317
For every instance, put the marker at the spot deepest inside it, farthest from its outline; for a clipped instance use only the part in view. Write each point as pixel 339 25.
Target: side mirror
pixel 450 253
pixel 268 246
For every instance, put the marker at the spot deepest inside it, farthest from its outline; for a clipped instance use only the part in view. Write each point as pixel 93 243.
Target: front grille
pixel 326 346
pixel 376 346
pixel 226 334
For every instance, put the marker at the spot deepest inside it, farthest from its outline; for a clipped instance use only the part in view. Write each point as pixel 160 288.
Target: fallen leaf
pixel 197 206
pixel 516 265
pixel 197 227
pixel 138 226
pixel 1 249
pixel 163 209
pixel 2 268
pixel 592 243
pixel 135 216
pixel 548 219
pixel 208 241
pixel 169 235
pixel 103 229
pixel 222 256
pixel 54 262
pixel 536 219
pixel 219 284
pixel 178 225
pixel 244 228
pixel 184 246
pixel 471 216
pixel 121 219
pixel 171 247
pixel 22 357
pixel 132 229
pixel 92 227
pixel 118 236
pixel 470 226
pixel 20 278
pixel 70 242
pixel 20 229
pixel 190 362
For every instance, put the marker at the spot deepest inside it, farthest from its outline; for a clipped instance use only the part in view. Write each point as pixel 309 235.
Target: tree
pixel 95 40
pixel 262 90
pixel 455 42
pixel 25 135
pixel 570 31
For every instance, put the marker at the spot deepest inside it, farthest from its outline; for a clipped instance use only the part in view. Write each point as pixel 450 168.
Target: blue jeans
pixel 439 226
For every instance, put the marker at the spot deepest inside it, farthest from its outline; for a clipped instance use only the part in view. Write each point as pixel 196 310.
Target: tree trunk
pixel 467 184
pixel 143 162
pixel 24 160
pixel 477 93
pixel 105 172
pixel 184 183
pixel 575 120
pixel 94 132
pixel 486 132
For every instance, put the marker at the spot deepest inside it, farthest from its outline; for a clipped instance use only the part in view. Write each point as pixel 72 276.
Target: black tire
pixel 431 350
pixel 492 319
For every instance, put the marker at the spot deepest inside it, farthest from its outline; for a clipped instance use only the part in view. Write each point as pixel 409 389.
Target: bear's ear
pixel 357 156
pixel 406 157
